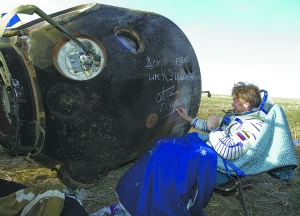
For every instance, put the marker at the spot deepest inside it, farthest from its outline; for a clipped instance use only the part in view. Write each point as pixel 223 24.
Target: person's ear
pixel 247 105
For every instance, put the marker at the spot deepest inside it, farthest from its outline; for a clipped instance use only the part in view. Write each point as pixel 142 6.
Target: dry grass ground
pixel 269 196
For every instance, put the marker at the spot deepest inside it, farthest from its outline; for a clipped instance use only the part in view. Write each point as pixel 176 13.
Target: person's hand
pixel 183 114
pixel 212 121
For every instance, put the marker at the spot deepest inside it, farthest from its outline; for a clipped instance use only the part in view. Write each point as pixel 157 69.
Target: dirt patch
pixel 269 196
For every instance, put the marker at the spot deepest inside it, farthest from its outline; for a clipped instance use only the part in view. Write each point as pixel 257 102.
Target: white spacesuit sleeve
pixel 200 124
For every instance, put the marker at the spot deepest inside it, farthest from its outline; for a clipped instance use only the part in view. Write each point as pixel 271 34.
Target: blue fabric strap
pixel 237 170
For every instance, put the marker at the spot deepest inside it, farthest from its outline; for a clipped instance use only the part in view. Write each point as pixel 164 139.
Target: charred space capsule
pixel 91 88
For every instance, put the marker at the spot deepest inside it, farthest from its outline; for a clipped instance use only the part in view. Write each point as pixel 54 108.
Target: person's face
pixel 240 106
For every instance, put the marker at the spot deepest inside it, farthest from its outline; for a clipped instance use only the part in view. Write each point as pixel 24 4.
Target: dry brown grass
pixel 269 196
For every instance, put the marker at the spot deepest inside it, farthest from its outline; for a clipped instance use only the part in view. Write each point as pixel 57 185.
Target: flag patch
pixel 241 135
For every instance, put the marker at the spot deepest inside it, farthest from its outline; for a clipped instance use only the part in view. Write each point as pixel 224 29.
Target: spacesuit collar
pixel 244 113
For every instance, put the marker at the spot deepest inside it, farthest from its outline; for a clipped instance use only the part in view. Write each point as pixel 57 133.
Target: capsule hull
pixel 99 118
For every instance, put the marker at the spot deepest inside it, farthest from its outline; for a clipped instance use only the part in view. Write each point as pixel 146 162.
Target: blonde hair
pixel 247 93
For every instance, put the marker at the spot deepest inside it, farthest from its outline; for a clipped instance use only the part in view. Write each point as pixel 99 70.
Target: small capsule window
pixel 129 40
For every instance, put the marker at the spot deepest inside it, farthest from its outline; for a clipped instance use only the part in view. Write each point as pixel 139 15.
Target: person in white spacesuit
pixel 232 135
pixel 177 175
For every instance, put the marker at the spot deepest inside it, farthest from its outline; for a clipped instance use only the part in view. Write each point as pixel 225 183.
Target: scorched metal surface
pixel 98 112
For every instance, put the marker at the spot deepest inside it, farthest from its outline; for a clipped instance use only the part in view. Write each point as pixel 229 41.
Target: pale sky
pixel 257 41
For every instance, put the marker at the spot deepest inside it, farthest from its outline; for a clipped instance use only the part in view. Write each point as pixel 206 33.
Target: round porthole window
pixel 73 62
pixel 129 40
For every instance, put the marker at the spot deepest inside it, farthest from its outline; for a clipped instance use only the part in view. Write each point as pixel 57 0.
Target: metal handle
pixel 30 9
